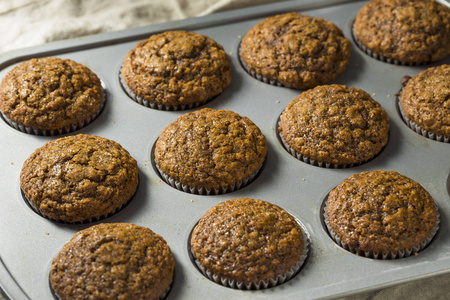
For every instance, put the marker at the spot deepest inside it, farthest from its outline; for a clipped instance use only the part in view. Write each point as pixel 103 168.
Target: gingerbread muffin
pixel 113 261
pixel 248 244
pixel 176 70
pixel 424 103
pixel 210 151
pixel 294 50
pixel 334 126
pixel 50 96
pixel 381 214
pixel 404 31
pixel 79 178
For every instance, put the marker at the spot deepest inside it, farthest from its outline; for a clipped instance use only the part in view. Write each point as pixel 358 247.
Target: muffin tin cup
pixel 204 191
pixel 272 282
pixel 379 255
pixel 55 132
pixel 158 106
pixel 417 128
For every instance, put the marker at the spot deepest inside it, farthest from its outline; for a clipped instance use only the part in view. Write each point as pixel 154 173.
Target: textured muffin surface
pixel 381 211
pixel 296 50
pixel 50 93
pixel 177 68
pixel 426 100
pixel 247 240
pixel 79 177
pixel 408 31
pixel 113 261
pixel 335 124
pixel 210 148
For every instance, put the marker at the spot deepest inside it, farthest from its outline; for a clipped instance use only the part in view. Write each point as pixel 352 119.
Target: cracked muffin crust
pixel 210 149
pixel 298 51
pixel 50 93
pixel 425 100
pixel 177 68
pixel 381 211
pixel 78 178
pixel 335 124
pixel 113 261
pixel 247 241
pixel 407 31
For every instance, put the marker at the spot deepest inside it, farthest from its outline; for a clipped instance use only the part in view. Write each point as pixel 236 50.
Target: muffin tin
pixel 29 242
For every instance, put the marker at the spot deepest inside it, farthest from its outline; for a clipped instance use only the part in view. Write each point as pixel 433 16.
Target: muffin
pixel 248 244
pixel 79 178
pixel 334 126
pixel 50 96
pixel 210 151
pixel 113 261
pixel 294 50
pixel 404 31
pixel 381 214
pixel 424 103
pixel 176 70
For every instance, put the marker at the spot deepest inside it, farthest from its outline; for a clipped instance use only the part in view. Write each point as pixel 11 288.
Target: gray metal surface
pixel 29 242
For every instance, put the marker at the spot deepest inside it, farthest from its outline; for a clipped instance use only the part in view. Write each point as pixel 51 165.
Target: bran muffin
pixel 50 96
pixel 404 31
pixel 424 103
pixel 334 126
pixel 248 243
pixel 294 50
pixel 176 70
pixel 79 178
pixel 381 214
pixel 210 151
pixel 113 261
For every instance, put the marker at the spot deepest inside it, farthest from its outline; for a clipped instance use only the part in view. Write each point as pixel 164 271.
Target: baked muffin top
pixel 177 68
pixel 335 124
pixel 425 100
pixel 247 240
pixel 408 31
pixel 113 261
pixel 210 148
pixel 298 51
pixel 381 211
pixel 79 177
pixel 50 93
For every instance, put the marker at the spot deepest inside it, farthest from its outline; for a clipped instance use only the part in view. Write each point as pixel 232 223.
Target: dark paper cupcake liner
pixel 272 282
pixel 379 255
pixel 158 106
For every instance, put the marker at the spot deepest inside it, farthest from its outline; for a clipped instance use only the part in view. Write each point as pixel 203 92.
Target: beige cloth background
pixel 26 23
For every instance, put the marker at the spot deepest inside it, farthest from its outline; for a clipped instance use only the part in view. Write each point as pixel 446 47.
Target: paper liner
pixel 204 191
pixel 415 127
pixel 90 220
pixel 272 282
pixel 55 132
pixel 315 162
pixel 379 255
pixel 158 106
pixel 382 58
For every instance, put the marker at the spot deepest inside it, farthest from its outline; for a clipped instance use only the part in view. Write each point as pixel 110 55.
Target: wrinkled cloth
pixel 25 23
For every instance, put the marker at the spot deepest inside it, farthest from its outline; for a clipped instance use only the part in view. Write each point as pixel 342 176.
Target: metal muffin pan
pixel 29 242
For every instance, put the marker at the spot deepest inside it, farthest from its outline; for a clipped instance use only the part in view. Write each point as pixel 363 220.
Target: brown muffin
pixel 49 96
pixel 425 102
pixel 245 242
pixel 404 31
pixel 210 150
pixel 113 261
pixel 176 69
pixel 78 178
pixel 294 50
pixel 381 212
pixel 334 125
